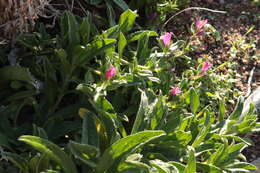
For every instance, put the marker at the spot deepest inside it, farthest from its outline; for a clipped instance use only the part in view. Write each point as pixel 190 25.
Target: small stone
pixel 253 98
pixel 257 164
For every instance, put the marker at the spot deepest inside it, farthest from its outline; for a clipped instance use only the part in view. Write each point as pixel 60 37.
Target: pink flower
pixel 111 72
pixel 200 24
pixel 166 39
pixel 206 65
pixel 175 91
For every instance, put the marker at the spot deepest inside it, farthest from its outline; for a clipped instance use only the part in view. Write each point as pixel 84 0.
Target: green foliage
pixel 121 4
pixel 81 121
pixel 211 148
pixel 52 151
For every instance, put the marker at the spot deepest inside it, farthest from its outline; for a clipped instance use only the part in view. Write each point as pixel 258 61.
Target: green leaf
pixel 241 165
pixel 112 32
pixel 215 157
pixel 17 160
pixel 111 14
pixel 21 95
pixel 143 51
pixel 246 125
pixel 121 44
pixel 121 4
pixel 235 115
pixel 62 55
pixel 208 168
pixel 86 153
pixel 39 163
pixel 84 30
pixel 52 150
pixel 4 141
pixel 112 156
pixel 222 111
pixel 164 167
pixel 194 101
pixel 15 73
pixel 173 121
pixel 191 165
pixel 133 161
pixel 70 28
pixel 127 20
pixel 184 123
pixel 139 123
pixel 202 134
pixel 235 138
pixel 84 54
pixel 159 112
pixel 230 154
pixel 38 131
pixel 50 171
pixel 175 139
pixel 89 130
pixel 214 32
pixel 137 35
pixel 105 112
pixel 178 165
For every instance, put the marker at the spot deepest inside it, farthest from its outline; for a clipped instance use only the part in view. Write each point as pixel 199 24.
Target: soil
pixel 240 17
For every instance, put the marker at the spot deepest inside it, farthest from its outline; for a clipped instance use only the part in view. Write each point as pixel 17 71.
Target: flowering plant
pixel 134 120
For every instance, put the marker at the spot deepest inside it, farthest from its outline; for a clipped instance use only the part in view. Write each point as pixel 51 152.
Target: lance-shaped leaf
pixel 15 73
pixel 194 101
pixel 86 153
pixel 127 20
pixel 204 131
pixel 112 156
pixel 163 167
pixel 191 166
pixel 209 168
pixel 121 4
pixel 17 160
pixel 121 44
pixel 52 150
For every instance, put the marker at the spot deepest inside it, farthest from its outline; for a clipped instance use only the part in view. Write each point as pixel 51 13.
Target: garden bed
pixel 108 94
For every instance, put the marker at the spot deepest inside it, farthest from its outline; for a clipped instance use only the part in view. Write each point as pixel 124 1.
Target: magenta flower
pixel 166 39
pixel 111 72
pixel 206 65
pixel 175 91
pixel 200 24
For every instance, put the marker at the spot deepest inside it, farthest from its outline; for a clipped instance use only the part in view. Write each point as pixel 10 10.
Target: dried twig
pixel 192 8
